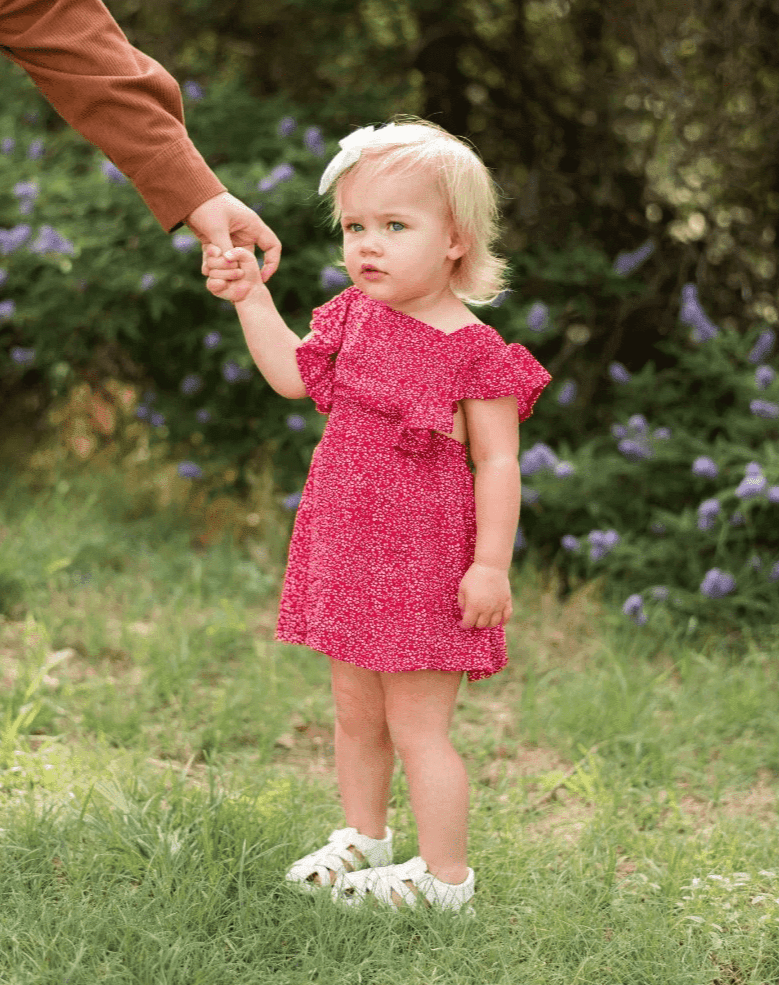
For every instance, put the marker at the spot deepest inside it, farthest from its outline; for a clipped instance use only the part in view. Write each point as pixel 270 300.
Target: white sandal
pixel 336 854
pixel 352 888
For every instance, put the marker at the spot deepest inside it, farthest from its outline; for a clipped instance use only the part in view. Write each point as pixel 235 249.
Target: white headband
pixel 355 143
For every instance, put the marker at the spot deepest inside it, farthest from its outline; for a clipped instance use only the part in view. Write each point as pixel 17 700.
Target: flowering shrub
pixel 680 509
pixel 677 505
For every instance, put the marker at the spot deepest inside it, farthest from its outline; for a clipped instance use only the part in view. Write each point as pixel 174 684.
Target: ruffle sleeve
pixel 316 357
pixel 496 369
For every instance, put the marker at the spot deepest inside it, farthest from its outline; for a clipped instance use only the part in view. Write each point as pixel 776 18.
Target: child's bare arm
pixel 271 342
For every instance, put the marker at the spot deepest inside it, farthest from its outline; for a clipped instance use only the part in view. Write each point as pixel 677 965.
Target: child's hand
pixel 233 280
pixel 484 597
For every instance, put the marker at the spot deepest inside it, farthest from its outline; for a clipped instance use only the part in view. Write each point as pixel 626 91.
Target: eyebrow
pixel 382 215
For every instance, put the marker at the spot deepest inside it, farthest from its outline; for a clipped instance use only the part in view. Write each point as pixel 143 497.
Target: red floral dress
pixel 386 525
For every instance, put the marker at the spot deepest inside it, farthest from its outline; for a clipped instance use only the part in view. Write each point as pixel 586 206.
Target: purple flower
pixel 3 276
pixel 567 393
pixel 212 339
pixel 570 543
pixel 282 172
pixel 50 241
pixel 619 373
pixel 529 496
pixel 22 356
pixel 539 457
pixel 184 241
pixel 708 510
pixel 691 313
pixel 147 281
pixel 537 317
pixel 26 189
pixel 764 377
pixel 764 408
pixel 7 145
pixel 602 542
pixel 292 501
pixel 762 347
pixel 12 239
pixel 295 422
pixel 633 604
pixel 231 371
pixel 158 420
pixel 634 450
pixel 314 141
pixel 188 470
pixel 717 583
pixel 203 416
pixel 191 383
pixel 7 309
pixel 35 150
pixel 142 413
pixel 331 278
pixel 287 125
pixel 705 466
pixel 112 172
pixel 753 484
pixel 626 263
pixel 193 90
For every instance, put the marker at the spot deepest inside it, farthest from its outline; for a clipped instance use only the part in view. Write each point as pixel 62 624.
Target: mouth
pixel 367 268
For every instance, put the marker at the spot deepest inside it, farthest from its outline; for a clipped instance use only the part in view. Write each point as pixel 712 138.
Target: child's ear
pixel 458 248
pixel 459 245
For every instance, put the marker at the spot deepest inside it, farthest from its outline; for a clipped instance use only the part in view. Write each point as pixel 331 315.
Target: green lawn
pixel 163 761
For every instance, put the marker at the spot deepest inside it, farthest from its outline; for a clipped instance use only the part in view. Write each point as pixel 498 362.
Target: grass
pixel 163 761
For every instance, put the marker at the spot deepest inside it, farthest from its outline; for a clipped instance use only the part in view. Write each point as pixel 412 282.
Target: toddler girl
pixel 399 557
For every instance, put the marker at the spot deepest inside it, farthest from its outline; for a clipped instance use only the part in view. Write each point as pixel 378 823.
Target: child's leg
pixel 364 757
pixel 419 706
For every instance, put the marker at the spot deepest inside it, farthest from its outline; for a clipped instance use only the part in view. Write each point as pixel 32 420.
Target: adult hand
pixel 225 221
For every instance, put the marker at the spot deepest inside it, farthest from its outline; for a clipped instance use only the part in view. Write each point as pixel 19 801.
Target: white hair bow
pixel 355 143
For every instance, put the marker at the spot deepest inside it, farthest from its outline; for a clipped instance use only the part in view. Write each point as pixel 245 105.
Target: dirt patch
pixel 757 802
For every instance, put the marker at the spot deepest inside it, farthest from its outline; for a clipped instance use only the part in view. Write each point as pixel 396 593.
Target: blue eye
pixel 393 222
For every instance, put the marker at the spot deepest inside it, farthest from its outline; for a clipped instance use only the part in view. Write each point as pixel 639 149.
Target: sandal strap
pixel 381 881
pixel 329 856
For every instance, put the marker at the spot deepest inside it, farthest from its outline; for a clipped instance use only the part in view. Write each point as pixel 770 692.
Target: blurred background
pixel 635 146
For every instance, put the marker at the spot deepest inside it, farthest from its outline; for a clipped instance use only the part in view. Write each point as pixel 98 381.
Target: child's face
pixel 399 226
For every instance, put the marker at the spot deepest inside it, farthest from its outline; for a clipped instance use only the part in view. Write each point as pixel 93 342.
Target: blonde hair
pixel 479 276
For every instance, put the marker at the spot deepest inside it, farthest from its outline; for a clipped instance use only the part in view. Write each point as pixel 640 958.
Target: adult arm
pixel 118 98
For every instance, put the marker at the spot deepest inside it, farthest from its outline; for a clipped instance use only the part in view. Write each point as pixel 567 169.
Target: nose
pixel 369 245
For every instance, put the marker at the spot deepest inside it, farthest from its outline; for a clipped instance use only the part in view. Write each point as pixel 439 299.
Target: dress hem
pixel 474 673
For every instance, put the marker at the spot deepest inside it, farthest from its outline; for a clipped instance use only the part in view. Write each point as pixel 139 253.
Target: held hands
pixel 226 222
pixel 484 597
pixel 236 280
